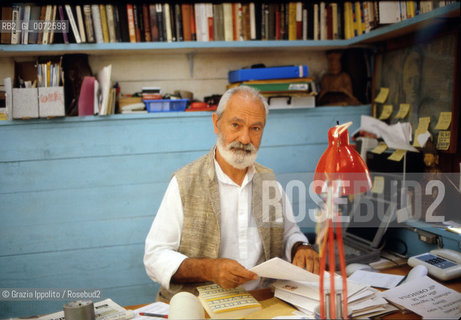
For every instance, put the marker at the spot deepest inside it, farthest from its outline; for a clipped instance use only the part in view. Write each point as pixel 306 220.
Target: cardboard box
pixel 51 102
pixel 25 103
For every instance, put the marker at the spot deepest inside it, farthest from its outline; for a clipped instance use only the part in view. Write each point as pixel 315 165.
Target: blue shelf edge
pixel 362 109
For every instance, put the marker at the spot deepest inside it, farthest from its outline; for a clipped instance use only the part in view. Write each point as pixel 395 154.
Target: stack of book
pixel 284 87
pixel 206 21
pixel 362 300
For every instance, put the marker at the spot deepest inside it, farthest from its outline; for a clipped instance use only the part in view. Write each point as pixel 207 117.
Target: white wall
pixel 203 73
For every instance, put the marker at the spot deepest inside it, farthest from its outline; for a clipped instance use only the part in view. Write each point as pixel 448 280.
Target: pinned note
pixel 382 95
pixel 403 111
pixel 378 185
pixel 397 155
pixel 380 148
pixel 386 112
pixel 444 121
pixel 443 140
pixel 422 129
pixel 423 123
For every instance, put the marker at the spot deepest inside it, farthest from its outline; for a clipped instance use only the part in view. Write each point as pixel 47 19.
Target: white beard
pixel 234 155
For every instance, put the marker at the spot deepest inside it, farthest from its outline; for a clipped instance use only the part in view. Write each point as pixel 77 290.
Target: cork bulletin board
pixel 423 75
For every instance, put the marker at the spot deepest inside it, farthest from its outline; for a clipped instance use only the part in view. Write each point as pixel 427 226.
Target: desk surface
pixel 264 294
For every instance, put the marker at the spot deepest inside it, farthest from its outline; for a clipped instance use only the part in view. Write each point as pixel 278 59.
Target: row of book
pixel 228 21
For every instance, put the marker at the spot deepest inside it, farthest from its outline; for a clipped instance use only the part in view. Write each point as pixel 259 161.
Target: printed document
pixel 428 298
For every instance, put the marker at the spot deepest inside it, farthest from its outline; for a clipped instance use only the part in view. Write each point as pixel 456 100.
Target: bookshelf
pixel 379 34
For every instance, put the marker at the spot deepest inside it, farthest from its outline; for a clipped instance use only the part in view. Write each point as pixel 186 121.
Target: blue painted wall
pixel 78 195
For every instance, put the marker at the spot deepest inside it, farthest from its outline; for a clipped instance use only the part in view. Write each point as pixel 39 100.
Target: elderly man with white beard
pixel 214 222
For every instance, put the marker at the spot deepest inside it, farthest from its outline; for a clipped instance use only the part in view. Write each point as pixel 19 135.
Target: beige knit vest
pixel 200 237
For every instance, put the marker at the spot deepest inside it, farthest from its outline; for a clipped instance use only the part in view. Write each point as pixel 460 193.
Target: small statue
pixel 336 85
pixel 431 158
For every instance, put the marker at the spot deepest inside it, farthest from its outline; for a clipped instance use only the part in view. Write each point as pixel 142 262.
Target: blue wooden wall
pixel 78 195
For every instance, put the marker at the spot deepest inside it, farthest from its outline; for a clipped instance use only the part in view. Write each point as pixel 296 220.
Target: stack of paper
pixel 301 288
pixel 305 296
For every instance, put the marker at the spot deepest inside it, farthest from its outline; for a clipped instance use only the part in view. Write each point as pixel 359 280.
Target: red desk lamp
pixel 340 172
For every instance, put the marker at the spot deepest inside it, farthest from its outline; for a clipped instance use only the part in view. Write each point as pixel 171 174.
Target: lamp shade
pixel 341 163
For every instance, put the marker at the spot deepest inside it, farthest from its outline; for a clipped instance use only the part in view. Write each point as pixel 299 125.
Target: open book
pixel 222 303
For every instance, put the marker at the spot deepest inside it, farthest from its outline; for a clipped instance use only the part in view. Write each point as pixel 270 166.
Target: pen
pixel 147 314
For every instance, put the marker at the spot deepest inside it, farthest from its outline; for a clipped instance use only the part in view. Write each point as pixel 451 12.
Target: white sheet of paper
pixel 277 268
pixel 156 307
pixel 396 136
pixel 428 298
pixel 374 279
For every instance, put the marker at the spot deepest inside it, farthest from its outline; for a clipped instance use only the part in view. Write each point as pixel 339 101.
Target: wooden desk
pixel 267 293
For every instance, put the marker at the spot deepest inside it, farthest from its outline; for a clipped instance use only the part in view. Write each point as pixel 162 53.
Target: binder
pixel 304 85
pixel 282 72
pixel 86 98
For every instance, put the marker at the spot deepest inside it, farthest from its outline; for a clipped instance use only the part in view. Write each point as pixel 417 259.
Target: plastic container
pixel 166 105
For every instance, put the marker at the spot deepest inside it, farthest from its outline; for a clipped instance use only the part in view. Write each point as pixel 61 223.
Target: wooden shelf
pixel 419 22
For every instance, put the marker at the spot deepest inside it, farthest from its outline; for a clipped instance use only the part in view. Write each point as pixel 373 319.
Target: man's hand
pixel 307 258
pixel 227 273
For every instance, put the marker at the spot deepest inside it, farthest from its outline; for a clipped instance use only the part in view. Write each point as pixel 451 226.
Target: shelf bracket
pixel 190 59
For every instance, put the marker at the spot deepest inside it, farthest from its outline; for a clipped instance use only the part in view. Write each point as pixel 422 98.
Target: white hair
pixel 243 90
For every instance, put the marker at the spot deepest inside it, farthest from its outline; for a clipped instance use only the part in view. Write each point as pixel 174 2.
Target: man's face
pixel 240 130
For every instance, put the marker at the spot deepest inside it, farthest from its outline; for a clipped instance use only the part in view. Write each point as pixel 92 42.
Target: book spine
pixel 209 21
pixel 97 23
pixel 105 28
pixel 46 31
pixel 117 24
pixel 16 17
pixel 252 21
pixel 305 24
pixel 145 16
pixel 73 25
pixel 186 23
pixel 53 18
pixel 228 27
pixel 81 27
pixel 111 22
pixel 62 17
pixel 292 21
pixel 130 16
pixel 178 22
pixel 7 13
pixel 160 22
pixel 167 22
pixel 25 22
pixel 153 22
pixel 88 23
pixel 299 20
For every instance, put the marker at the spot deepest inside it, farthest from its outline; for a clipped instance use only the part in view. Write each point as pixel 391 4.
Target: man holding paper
pixel 224 213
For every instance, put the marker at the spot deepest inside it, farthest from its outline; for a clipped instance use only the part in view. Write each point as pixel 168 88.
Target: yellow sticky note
pixel 444 121
pixel 443 140
pixel 386 113
pixel 378 185
pixel 397 155
pixel 423 124
pixel 382 95
pixel 403 111
pixel 380 148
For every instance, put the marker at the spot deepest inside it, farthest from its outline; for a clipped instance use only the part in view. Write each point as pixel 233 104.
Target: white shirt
pixel 240 238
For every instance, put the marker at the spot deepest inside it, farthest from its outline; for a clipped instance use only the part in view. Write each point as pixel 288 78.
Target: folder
pixel 86 98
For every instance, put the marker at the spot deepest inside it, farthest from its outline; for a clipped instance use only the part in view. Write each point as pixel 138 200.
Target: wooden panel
pixel 83 192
